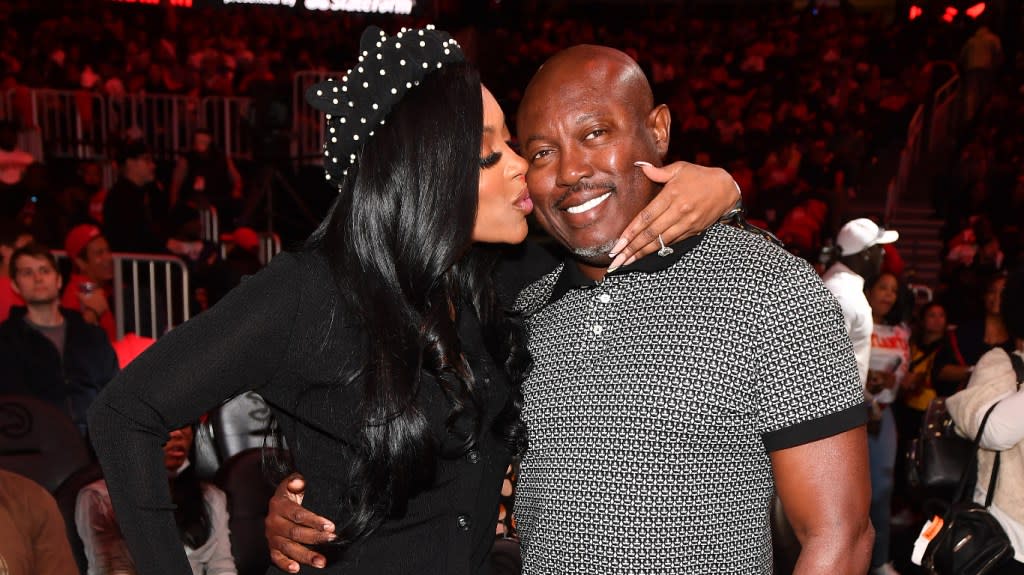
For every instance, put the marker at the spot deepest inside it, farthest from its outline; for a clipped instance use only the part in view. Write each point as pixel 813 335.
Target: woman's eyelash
pixel 490 160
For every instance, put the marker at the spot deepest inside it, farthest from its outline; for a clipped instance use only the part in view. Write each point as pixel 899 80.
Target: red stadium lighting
pixel 915 12
pixel 976 10
pixel 950 14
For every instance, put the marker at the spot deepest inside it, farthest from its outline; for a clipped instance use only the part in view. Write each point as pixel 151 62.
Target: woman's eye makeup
pixel 490 160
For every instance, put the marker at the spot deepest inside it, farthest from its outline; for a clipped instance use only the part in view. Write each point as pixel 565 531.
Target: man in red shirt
pixel 90 288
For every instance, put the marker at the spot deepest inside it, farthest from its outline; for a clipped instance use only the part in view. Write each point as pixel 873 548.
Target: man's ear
pixel 659 121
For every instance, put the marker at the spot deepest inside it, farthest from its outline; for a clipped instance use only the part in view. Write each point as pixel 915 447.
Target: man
pixel 92 279
pixel 134 207
pixel 666 394
pixel 861 248
pixel 860 255
pixel 49 352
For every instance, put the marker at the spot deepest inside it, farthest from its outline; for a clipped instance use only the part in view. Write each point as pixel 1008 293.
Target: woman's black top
pixel 281 334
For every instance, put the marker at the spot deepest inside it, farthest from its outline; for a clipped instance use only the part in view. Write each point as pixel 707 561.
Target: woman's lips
pixel 524 202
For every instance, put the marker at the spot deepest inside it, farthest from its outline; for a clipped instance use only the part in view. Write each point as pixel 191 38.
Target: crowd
pixel 797 106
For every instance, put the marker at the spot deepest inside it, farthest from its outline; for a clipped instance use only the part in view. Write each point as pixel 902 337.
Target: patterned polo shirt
pixel 657 395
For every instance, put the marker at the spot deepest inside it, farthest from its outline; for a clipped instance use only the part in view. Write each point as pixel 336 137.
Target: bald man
pixel 671 396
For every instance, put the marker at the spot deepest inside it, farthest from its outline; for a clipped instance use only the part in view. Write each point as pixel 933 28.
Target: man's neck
pixel 45 315
pixel 595 273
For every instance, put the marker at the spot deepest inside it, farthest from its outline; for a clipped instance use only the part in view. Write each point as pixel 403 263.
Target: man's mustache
pixel 585 186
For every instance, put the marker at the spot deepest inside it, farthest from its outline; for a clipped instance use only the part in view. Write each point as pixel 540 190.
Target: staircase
pixel 919 244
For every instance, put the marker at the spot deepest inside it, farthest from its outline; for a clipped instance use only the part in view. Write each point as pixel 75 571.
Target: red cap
pixel 246 238
pixel 79 237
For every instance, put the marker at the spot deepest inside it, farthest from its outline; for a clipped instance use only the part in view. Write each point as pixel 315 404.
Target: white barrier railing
pixel 154 294
pixel 307 122
pixel 270 246
pixel 72 124
pixel 166 122
pixel 209 224
pixel 228 120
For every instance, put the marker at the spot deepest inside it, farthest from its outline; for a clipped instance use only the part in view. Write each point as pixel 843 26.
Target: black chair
pixel 66 496
pixel 241 423
pixel 39 441
pixel 249 486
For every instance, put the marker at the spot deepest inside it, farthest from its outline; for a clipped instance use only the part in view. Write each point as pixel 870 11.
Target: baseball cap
pixel 79 237
pixel 858 235
pixel 244 237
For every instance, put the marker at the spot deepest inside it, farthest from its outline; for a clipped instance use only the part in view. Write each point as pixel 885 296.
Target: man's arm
pixel 825 489
pixel 289 527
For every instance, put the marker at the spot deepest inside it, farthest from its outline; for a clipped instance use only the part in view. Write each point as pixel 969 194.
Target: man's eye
pixel 595 134
pixel 539 155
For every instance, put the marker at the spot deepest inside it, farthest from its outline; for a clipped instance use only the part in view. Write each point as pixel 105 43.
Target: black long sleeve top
pixel 281 335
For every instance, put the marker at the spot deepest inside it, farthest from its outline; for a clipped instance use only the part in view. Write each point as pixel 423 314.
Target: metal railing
pixel 307 122
pixel 166 122
pixel 152 294
pixel 71 123
pixel 209 225
pixel 228 120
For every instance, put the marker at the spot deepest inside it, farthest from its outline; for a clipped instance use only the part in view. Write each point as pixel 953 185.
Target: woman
pixel 382 347
pixel 201 518
pixel 890 359
pixel 994 380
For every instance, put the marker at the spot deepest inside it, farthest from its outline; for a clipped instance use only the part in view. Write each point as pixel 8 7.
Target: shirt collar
pixel 572 278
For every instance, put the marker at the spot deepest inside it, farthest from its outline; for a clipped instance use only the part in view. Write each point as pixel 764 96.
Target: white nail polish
pixel 641 164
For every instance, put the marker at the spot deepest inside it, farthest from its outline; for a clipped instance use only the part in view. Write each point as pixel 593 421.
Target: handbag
pixel 938 456
pixel 967 540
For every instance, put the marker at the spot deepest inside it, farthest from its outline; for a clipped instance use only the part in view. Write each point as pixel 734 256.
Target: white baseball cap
pixel 860 234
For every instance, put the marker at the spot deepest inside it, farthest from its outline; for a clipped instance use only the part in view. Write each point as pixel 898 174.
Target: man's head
pixel 136 163
pixel 90 252
pixel 586 117
pixel 34 275
pixel 860 244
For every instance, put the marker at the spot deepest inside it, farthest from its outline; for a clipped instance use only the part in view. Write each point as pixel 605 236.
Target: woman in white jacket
pixel 994 379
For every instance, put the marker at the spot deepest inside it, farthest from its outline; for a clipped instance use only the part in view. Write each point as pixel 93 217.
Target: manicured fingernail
pixel 630 260
pixel 293 567
pixel 327 527
pixel 617 262
pixel 641 164
pixel 621 243
pixel 319 562
pixel 331 536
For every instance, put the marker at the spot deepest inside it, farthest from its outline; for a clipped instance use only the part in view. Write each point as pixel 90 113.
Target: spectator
pixel 46 351
pixel 11 238
pixel 33 538
pixel 993 381
pixel 134 208
pixel 201 516
pixel 90 289
pixel 205 176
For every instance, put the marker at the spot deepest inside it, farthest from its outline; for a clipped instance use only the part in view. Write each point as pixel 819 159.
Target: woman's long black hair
pixel 399 243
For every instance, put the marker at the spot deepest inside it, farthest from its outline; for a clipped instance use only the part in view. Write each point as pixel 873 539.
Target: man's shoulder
pixel 727 248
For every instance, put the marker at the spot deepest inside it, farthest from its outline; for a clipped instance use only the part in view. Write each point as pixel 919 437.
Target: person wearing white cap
pixel 859 259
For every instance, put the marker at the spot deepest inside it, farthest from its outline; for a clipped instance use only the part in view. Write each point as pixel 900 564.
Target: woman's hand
pixel 694 198
pixel 289 527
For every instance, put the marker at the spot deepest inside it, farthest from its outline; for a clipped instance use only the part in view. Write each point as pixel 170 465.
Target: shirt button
pixel 597 329
pixel 464 522
pixel 473 456
pixel 604 298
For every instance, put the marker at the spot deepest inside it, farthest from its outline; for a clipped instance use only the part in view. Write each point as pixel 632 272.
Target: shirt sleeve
pixel 50 546
pixel 221 561
pixel 235 346
pixel 101 538
pixel 809 387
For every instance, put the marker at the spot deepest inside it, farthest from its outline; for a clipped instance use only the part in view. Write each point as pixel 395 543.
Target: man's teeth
pixel 588 205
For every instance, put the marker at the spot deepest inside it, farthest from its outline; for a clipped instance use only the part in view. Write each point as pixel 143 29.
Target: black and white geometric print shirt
pixel 656 397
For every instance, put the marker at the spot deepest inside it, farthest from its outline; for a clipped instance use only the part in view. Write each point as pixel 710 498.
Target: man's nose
pixel 573 166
